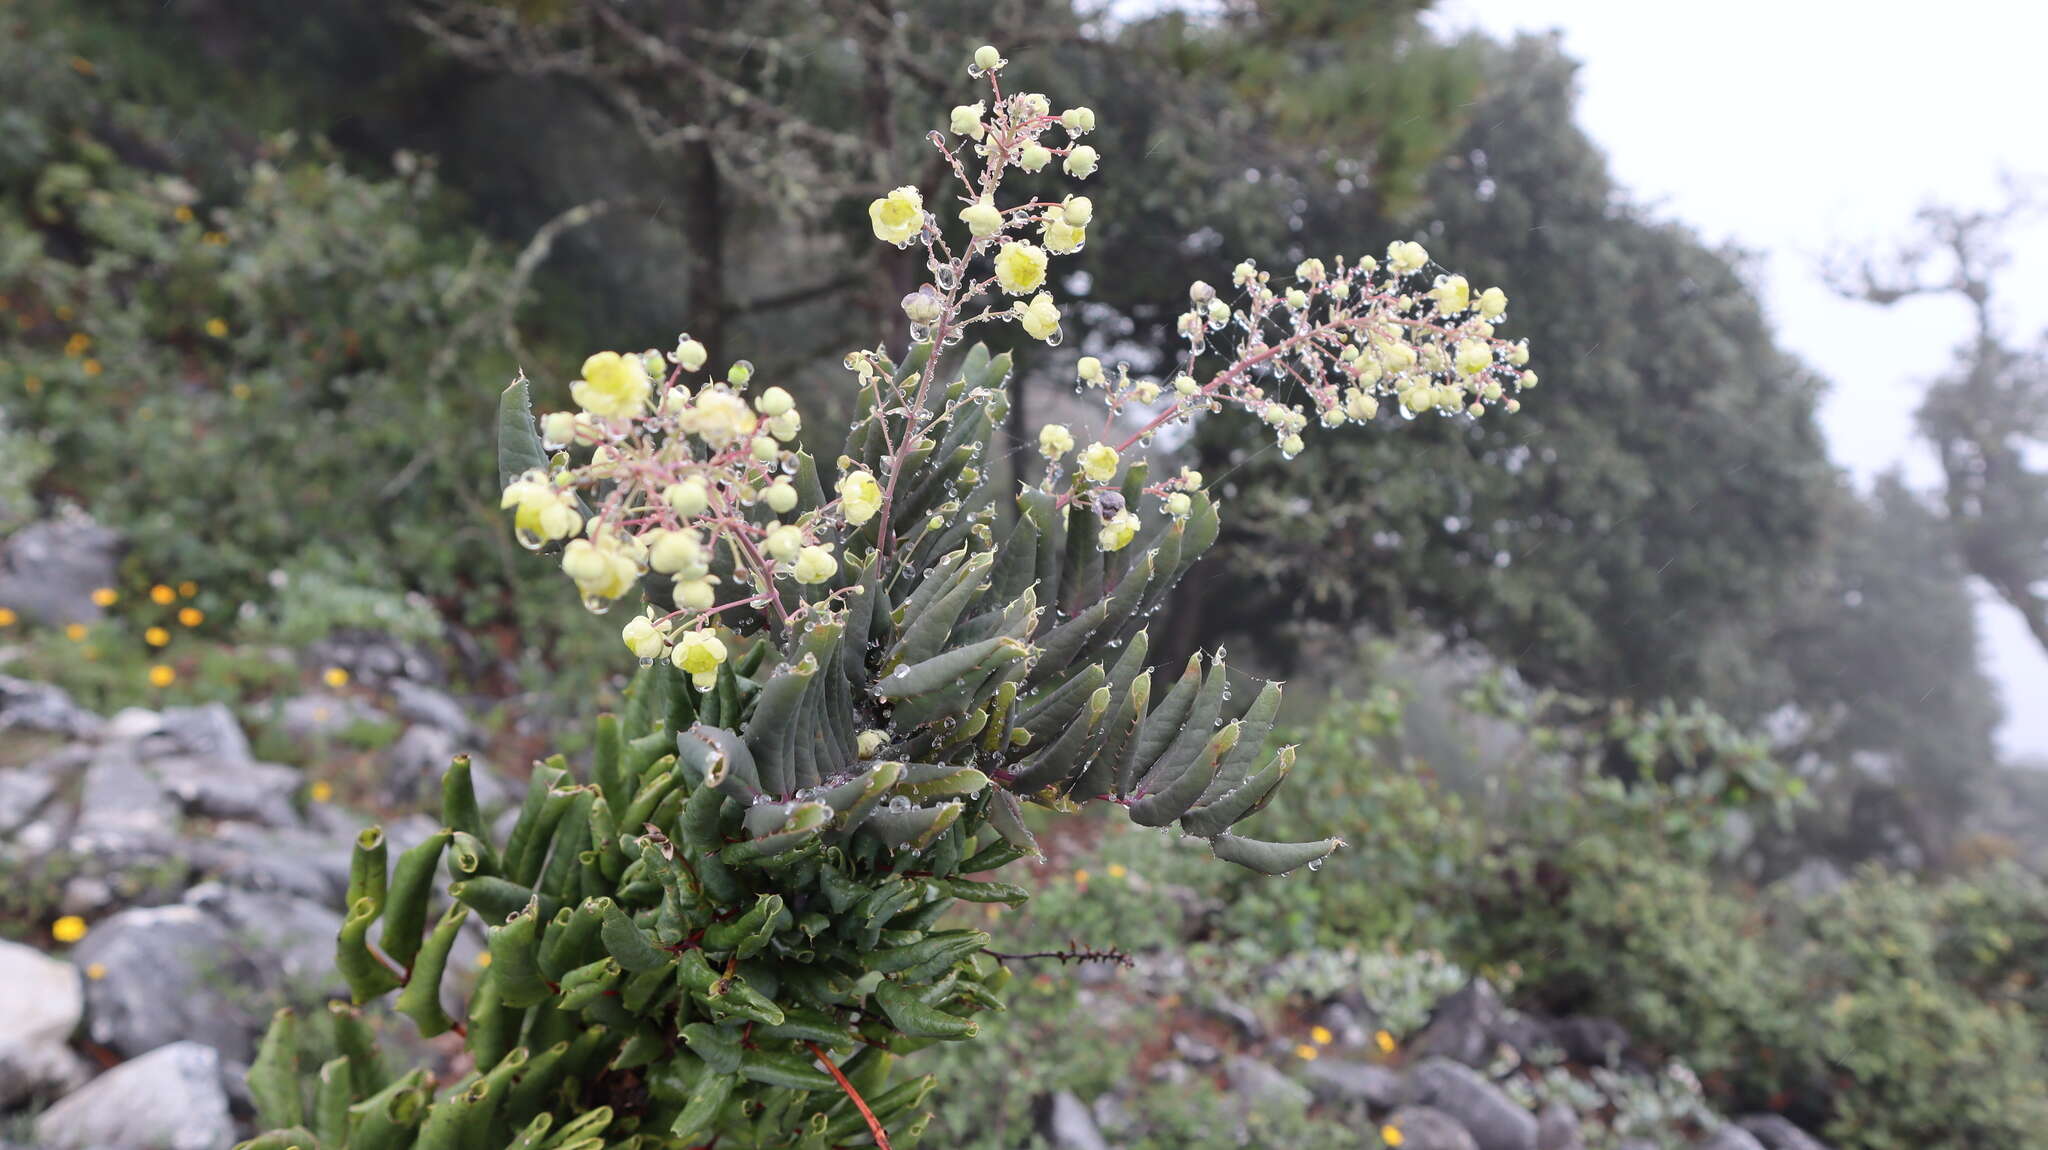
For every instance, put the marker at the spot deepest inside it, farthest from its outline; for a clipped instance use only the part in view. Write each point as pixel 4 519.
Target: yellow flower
pixel 96 971
pixel 783 542
pixel 898 217
pixel 1118 531
pixel 75 632
pixel 1064 239
pixel 543 512
pixel 643 638
pixel 105 596
pixel 191 616
pixel 860 497
pixel 1098 462
pixel 188 588
pixel 217 327
pixel 982 218
pixel 1054 440
pixel 68 929
pixel 671 552
pixel 1493 303
pixel 336 677
pixel 1306 1053
pixel 1452 294
pixel 719 418
pixel 1081 877
pixel 1406 256
pixel 600 572
pixel 91 367
pixel 814 565
pixel 156 636
pixel 484 959
pixel 698 654
pixel 1320 1035
pixel 1117 870
pixel 1040 318
pixel 7 617
pixel 162 596
pixel 321 791
pixel 966 121
pixel 162 676
pixel 1472 356
pixel 1383 1040
pixel 77 345
pixel 1020 267
pixel 1391 1135
pixel 1034 156
pixel 612 385
pixel 182 214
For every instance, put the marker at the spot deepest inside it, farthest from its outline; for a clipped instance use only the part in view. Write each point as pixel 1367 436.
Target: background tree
pixel 1987 417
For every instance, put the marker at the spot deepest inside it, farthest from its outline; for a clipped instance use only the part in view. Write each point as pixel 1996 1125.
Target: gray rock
pixel 428 706
pixel 1338 1080
pixel 1262 1086
pixel 210 731
pixel 1590 1040
pixel 40 1005
pixel 309 864
pixel 1496 1121
pixel 420 757
pixel 290 939
pixel 121 843
pixel 372 658
pixel 1241 1017
pixel 1194 1051
pixel 169 973
pixel 1425 1128
pixel 1066 1124
pixel 1557 1128
pixel 29 706
pixel 49 570
pixel 1778 1133
pixel 228 789
pixel 1729 1137
pixel 25 791
pixel 1465 1026
pixel 318 716
pixel 168 1099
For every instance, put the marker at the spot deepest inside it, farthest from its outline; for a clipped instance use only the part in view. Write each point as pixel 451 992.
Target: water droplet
pixel 530 540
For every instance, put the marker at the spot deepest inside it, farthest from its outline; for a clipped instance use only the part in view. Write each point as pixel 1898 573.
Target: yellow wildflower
pixel 1039 318
pixel 217 327
pixel 156 636
pixel 898 217
pixel 191 616
pixel 162 596
pixel 162 676
pixel 860 497
pixel 68 929
pixel 104 596
pixel 1391 1135
pixel 612 385
pixel 1020 267
pixel 1306 1053
pixel 1098 462
pixel 336 677
pixel 321 791
pixel 1320 1035
pixel 698 654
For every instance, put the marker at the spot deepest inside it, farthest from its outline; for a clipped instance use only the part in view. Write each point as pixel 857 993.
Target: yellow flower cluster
pixel 1006 133
pixel 685 479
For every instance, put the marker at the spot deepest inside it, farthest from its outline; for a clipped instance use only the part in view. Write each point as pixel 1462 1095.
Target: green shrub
pixel 737 925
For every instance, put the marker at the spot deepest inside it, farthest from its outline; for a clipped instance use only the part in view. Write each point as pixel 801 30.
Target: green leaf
pixel 519 446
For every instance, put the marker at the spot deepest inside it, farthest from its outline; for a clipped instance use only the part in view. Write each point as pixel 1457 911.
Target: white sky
pixel 1791 127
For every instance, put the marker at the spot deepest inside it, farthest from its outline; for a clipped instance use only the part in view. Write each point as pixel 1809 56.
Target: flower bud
pixel 1081 161
pixel 1077 210
pixel 558 428
pixel 1034 157
pixel 987 58
pixel 982 218
pixel 1078 120
pixel 689 354
pixel 1089 369
pixel 780 497
pixel 966 121
pixel 1054 440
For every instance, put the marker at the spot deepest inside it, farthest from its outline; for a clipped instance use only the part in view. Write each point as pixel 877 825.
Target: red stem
pixel 874 1124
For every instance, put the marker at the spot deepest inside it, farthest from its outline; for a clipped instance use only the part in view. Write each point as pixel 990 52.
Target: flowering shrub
pixel 734 930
